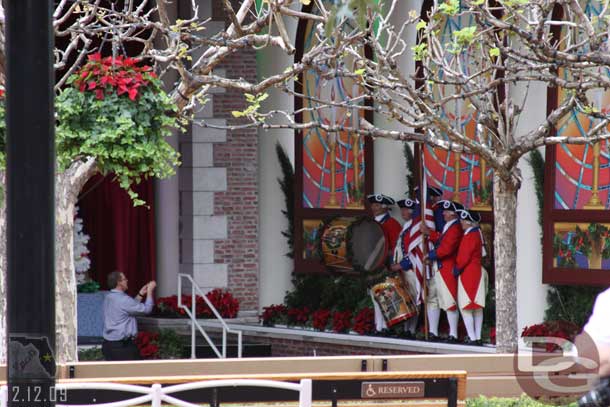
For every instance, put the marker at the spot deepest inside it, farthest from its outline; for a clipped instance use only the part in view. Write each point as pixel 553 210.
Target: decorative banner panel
pixel 582 173
pixel 462 177
pixel 333 163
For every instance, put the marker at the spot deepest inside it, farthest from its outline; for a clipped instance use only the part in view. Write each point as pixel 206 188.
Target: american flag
pixel 415 248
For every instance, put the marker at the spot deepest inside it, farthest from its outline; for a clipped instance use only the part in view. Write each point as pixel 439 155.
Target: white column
pixel 275 266
pixel 166 231
pixel 167 212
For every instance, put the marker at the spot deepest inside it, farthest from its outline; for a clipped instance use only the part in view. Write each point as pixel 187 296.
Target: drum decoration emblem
pixel 334 245
pixel 334 238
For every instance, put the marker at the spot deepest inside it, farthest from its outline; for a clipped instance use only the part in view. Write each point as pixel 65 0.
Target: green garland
pixel 536 161
pixel 410 165
pixel 287 187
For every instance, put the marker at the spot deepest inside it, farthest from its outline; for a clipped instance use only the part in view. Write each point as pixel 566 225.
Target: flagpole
pixel 423 200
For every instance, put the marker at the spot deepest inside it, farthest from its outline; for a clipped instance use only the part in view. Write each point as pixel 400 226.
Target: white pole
pixel 3 396
pixel 193 320
pixel 304 393
pixel 156 395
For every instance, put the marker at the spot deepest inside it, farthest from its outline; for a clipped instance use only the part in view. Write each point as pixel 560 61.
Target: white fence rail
pixel 192 314
pixel 156 394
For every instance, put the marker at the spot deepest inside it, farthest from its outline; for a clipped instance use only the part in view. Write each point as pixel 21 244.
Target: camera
pixel 599 396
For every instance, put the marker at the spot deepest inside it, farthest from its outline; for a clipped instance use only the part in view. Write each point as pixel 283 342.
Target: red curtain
pixel 122 237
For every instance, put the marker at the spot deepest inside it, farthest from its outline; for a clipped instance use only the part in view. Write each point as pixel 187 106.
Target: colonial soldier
pixel 442 287
pixel 380 205
pixel 405 254
pixel 472 277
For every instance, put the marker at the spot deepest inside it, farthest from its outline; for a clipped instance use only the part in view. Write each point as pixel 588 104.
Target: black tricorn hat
pixel 469 215
pixel 451 205
pixel 406 203
pixel 380 199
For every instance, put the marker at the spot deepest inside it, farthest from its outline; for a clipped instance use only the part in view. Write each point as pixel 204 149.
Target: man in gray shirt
pixel 120 310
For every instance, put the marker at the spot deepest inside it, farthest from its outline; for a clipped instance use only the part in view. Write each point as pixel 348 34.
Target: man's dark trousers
pixel 125 349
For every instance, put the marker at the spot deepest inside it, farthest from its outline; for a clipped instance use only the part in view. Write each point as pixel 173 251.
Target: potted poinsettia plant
pixel 549 329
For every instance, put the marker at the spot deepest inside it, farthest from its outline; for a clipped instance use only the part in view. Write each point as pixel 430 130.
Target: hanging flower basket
pixel 117 111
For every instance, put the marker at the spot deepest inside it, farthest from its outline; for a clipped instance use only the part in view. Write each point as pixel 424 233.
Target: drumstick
pixel 374 254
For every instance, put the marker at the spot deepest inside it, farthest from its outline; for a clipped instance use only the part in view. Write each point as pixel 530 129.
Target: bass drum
pixel 353 244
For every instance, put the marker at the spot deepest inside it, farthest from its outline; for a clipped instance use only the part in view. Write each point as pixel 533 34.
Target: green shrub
pixel 170 344
pixel 523 401
pixel 346 292
pixel 90 354
pixel 570 303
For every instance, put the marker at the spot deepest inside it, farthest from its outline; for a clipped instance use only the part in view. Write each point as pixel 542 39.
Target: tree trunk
pixel 68 185
pixel 3 339
pixel 505 254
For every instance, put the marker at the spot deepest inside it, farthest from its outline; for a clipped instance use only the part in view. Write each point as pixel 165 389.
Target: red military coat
pixel 468 264
pixel 446 245
pixel 391 231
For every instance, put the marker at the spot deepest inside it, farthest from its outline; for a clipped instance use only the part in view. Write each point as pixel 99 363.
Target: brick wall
pixel 239 203
pixel 292 347
pixel 304 346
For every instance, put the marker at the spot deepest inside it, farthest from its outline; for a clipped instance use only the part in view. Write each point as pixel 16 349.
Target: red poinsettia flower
pixel 121 75
pixel 342 321
pixel 320 319
pixel 554 329
pixel 223 301
pixel 364 321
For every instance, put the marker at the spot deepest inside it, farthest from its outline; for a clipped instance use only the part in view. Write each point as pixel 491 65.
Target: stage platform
pixel 286 342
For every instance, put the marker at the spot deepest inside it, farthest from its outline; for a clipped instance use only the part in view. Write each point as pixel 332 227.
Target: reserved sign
pixel 392 390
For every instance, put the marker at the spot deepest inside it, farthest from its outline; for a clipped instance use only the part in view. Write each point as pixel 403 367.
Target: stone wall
pixel 219 186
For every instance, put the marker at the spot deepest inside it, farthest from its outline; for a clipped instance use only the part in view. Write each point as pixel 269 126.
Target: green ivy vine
pixel 118 113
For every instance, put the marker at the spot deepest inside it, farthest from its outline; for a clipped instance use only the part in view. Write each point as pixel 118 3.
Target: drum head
pixel 367 244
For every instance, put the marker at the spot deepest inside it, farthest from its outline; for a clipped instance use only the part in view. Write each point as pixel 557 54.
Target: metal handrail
pixel 155 394
pixel 192 314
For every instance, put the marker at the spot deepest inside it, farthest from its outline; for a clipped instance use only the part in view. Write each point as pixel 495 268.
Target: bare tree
pixel 486 69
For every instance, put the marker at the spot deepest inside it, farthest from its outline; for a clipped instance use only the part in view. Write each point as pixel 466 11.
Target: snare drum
pixel 395 302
